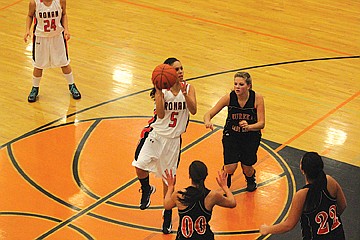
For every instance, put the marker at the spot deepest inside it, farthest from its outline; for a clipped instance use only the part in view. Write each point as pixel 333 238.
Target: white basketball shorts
pixel 158 154
pixel 50 52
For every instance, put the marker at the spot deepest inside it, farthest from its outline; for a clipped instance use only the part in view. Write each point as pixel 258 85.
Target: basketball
pixel 164 76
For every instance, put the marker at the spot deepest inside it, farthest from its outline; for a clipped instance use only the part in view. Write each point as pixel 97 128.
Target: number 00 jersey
pixel 194 222
pixel 176 116
pixel 48 19
pixel 323 222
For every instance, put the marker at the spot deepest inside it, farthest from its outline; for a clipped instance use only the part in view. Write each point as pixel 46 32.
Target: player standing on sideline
pixel 160 143
pixel 318 204
pixel 50 37
pixel 195 203
pixel 242 130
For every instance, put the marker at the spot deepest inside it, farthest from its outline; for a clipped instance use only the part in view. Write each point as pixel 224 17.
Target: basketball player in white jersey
pixel 50 35
pixel 160 143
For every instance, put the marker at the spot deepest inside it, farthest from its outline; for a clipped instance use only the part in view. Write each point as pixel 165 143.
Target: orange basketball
pixel 164 76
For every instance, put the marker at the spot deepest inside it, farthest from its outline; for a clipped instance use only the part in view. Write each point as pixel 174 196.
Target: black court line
pixel 34 215
pixel 64 203
pixel 34 184
pixel 274 64
pixel 282 153
pixel 104 199
pixel 77 156
pixel 86 210
pixel 82 144
pixel 291 185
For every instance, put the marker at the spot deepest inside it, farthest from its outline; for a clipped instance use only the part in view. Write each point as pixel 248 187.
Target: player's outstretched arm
pixel 223 102
pixel 227 200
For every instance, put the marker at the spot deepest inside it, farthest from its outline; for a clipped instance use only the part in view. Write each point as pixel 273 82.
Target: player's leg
pixel 144 162
pixel 169 159
pixel 60 58
pixel 248 160
pixel 70 79
pixel 40 60
pixel 37 74
pixel 230 170
pixel 249 173
pixel 146 188
pixel 231 159
pixel 167 215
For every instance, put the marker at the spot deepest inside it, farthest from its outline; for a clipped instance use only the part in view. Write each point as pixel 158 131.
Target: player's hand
pixel 244 125
pixel 183 86
pixel 157 89
pixel 169 177
pixel 66 35
pixel 264 229
pixel 222 179
pixel 158 92
pixel 26 36
pixel 209 125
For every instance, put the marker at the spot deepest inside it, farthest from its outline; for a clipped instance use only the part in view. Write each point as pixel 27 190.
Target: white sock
pixel 69 78
pixel 36 81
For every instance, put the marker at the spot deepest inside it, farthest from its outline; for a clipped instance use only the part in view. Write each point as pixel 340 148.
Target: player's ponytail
pixel 313 165
pixel 198 173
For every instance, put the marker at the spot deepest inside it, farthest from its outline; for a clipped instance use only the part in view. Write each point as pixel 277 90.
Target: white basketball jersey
pixel 48 19
pixel 176 116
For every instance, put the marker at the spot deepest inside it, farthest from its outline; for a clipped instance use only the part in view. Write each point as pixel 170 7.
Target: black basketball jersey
pixel 324 221
pixel 194 222
pixel 236 114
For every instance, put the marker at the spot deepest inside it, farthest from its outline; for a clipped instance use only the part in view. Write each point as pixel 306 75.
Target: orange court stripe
pixel 235 27
pixel 332 111
pixel 11 4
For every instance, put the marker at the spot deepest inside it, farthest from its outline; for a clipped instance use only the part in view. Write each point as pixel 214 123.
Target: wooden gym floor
pixel 65 165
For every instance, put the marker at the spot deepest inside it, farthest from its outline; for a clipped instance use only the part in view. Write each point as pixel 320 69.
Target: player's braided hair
pixel 198 173
pixel 313 165
pixel 168 61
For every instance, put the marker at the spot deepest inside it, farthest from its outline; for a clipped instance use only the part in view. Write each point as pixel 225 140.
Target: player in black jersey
pixel 242 130
pixel 318 204
pixel 195 203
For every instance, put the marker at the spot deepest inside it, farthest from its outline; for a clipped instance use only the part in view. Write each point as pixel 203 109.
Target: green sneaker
pixel 33 94
pixel 74 91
